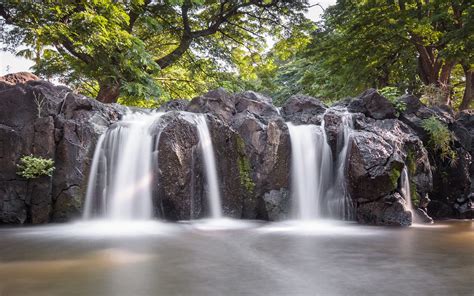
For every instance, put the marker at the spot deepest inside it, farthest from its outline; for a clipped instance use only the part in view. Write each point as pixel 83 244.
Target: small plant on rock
pixel 39 101
pixel 440 137
pixel 393 95
pixel 32 167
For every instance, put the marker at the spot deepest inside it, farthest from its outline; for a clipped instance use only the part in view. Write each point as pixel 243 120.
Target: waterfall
pixel 339 201
pixel 207 149
pixel 318 183
pixel 311 169
pixel 405 188
pixel 121 175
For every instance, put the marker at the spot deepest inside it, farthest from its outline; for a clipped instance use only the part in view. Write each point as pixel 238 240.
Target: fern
pixel 32 167
pixel 440 137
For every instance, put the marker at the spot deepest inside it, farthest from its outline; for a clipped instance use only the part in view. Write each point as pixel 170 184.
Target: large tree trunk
pixel 108 92
pixel 469 90
pixel 434 71
pixel 444 82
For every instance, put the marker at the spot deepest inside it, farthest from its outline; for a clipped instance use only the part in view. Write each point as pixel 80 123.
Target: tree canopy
pixel 181 48
pixel 125 48
pixel 410 45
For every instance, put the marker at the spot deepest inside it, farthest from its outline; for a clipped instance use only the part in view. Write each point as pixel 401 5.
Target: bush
pixel 440 137
pixel 392 94
pixel 433 95
pixel 32 167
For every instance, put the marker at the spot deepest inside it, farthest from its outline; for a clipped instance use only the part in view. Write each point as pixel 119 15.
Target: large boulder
pixel 47 121
pixel 380 150
pixel 217 102
pixel 373 104
pixel 182 191
pixel 451 177
pixel 301 109
pixel 180 175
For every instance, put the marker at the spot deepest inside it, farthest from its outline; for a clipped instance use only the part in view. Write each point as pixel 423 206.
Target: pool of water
pixel 236 258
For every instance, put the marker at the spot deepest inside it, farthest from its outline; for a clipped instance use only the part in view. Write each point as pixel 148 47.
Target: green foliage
pixel 32 167
pixel 145 49
pixel 398 44
pixel 393 95
pixel 440 138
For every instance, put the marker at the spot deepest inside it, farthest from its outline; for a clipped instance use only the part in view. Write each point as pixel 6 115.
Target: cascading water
pixel 405 188
pixel 339 202
pixel 318 184
pixel 120 180
pixel 310 169
pixel 207 149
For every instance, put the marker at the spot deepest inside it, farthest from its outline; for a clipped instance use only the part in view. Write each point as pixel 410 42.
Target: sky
pixel 9 63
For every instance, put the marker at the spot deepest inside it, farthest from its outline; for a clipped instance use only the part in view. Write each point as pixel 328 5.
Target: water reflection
pixel 320 258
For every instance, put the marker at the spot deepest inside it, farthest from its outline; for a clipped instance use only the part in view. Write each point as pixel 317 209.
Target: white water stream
pixel 121 175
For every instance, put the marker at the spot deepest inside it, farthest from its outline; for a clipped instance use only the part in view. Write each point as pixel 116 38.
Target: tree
pixel 379 43
pixel 123 46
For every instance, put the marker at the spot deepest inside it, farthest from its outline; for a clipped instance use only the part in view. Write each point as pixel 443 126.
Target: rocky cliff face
pixel 49 121
pixel 252 147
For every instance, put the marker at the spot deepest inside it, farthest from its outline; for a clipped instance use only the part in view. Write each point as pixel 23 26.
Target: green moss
pixel 394 176
pixel 411 166
pixel 245 169
pixel 415 197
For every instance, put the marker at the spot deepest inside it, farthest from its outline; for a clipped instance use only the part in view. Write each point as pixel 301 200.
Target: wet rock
pixel 234 175
pixel 51 122
pixel 180 173
pixel 277 204
pixel 374 105
pixel 266 146
pixel 389 210
pixel 301 109
pixel 420 216
pixel 254 103
pixel 217 102
pixel 174 105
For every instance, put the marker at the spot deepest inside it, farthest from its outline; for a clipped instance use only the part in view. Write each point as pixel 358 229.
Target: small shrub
pixel 393 95
pixel 32 167
pixel 440 137
pixel 433 95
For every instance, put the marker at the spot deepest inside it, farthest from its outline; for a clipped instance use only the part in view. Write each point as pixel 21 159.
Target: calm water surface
pixel 238 259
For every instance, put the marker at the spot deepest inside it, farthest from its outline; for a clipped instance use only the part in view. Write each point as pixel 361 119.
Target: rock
pixel 266 145
pixel 412 103
pixel 301 109
pixel 254 103
pixel 174 105
pixel 51 122
pixel 389 210
pixel 379 150
pixel 180 172
pixel 374 105
pixel 277 204
pixel 420 216
pixel 372 172
pixel 451 179
pixel 233 169
pixel 19 77
pixel 217 102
